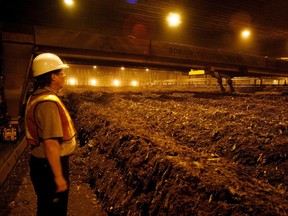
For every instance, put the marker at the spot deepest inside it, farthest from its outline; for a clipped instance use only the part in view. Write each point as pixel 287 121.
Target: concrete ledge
pixel 9 163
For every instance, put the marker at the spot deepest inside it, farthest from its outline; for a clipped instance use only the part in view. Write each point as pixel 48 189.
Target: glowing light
pixel 116 82
pixel 173 19
pixel 147 69
pixel 94 66
pixel 134 83
pixel 245 34
pixel 132 1
pixel 69 2
pixel 72 81
pixel 122 68
pixel 93 82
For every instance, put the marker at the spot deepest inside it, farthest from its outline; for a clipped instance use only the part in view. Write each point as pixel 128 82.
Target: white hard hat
pixel 47 62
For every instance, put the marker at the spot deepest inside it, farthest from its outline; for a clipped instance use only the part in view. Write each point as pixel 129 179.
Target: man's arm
pixel 52 150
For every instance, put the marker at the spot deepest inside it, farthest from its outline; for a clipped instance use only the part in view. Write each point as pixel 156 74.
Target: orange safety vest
pixel 31 128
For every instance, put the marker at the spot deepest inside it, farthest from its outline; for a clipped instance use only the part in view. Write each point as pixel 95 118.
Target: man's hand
pixel 61 184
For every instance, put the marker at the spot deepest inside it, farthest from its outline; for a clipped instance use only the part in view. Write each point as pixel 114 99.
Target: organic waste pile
pixel 181 150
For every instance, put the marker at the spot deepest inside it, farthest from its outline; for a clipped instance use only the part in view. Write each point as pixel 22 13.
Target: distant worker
pixel 51 135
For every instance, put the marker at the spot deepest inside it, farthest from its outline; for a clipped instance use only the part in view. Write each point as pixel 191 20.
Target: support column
pixel 16 58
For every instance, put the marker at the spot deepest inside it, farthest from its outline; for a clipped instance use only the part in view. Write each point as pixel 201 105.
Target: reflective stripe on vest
pixel 30 123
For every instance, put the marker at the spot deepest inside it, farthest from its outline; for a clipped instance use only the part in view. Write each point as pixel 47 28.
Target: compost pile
pixel 181 151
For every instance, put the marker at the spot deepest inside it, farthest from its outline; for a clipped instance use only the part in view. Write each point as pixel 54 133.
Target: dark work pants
pixel 48 201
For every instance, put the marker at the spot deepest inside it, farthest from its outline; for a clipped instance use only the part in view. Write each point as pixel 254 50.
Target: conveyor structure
pixel 20 45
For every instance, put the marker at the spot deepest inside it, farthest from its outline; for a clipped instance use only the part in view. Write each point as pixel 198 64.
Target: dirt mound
pixel 182 152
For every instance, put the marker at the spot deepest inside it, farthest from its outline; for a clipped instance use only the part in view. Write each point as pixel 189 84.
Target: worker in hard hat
pixel 51 135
